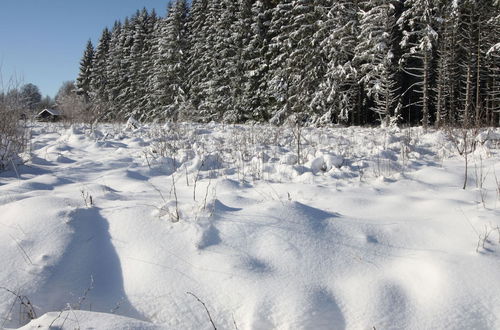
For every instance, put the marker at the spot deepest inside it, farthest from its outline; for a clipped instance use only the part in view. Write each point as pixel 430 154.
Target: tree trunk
pixel 478 79
pixel 468 98
pixel 425 110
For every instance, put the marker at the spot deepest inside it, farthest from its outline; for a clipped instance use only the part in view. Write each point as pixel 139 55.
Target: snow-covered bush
pixel 13 138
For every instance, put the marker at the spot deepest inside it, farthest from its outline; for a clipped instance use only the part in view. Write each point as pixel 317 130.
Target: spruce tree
pixel 279 50
pixel 84 79
pixel 375 56
pixel 492 102
pixel 339 97
pixel 253 100
pixel 420 23
pixel 113 71
pixel 446 54
pixel 306 63
pixel 99 76
pixel 170 63
pixel 125 75
pixel 198 64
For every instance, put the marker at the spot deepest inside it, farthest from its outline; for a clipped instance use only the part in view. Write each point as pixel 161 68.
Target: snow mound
pixel 145 228
pixel 76 319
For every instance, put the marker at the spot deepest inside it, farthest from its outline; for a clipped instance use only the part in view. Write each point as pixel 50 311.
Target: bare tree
pixel 13 138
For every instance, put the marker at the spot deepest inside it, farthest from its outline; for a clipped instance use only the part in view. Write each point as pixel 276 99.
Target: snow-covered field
pixel 138 228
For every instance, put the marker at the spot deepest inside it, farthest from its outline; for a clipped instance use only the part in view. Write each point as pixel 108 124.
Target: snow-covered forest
pixel 344 61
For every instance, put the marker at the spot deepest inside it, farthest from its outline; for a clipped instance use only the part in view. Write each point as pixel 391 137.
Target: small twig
pixel 25 254
pixel 57 317
pixel 25 303
pixel 196 179
pixel 206 309
pixel 15 169
pixel 7 318
pixel 177 215
pixel 234 323
pixel 187 177
pixel 82 299
pixel 206 194
pixel 117 307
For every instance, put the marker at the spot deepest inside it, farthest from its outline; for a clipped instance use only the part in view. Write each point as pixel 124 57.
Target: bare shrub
pixel 463 139
pixel 13 133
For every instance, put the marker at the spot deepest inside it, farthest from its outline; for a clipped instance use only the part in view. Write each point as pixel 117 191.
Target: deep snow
pixel 369 229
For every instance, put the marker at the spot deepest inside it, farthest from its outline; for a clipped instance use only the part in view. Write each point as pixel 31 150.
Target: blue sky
pixel 42 41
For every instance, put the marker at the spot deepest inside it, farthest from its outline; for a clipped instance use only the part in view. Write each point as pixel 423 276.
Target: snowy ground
pixel 368 228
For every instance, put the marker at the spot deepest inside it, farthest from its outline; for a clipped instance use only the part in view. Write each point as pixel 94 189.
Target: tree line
pixel 26 98
pixel 356 62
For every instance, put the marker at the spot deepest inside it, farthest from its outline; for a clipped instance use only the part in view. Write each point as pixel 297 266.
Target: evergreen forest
pixel 350 62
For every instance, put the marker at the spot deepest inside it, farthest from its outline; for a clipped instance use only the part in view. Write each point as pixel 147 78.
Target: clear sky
pixel 42 41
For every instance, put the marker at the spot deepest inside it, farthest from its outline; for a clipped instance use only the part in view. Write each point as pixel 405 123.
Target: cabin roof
pixel 53 112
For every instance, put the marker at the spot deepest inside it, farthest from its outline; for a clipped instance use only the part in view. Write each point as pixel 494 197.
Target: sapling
pixel 196 178
pixel 176 216
pixel 465 144
pixel 480 179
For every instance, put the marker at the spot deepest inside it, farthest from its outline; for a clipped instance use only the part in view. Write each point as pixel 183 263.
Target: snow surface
pixel 367 227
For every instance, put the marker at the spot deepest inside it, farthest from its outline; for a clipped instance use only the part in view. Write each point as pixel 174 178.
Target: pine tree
pixel 474 41
pixel 85 76
pixel 492 101
pixel 306 63
pixel 113 70
pixel 340 96
pixel 222 59
pixel 145 102
pixel 138 60
pixel 419 23
pixel 447 72
pixel 170 63
pixel 279 50
pixel 198 58
pixel 254 102
pixel 99 76
pixel 375 56
pixel 124 73
pixel 236 61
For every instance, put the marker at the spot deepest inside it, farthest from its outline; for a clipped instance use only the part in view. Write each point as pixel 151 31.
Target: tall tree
pixel 419 23
pixel 447 85
pixel 85 76
pixel 113 70
pixel 253 101
pixel 99 75
pixel 170 63
pixel 375 56
pixel 340 95
pixel 492 101
pixel 279 50
pixel 199 66
pixel 30 96
pixel 221 58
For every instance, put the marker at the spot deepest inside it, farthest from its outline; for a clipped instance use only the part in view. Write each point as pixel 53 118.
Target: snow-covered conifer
pixel 374 56
pixel 85 75
pixel 419 23
pixel 169 75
